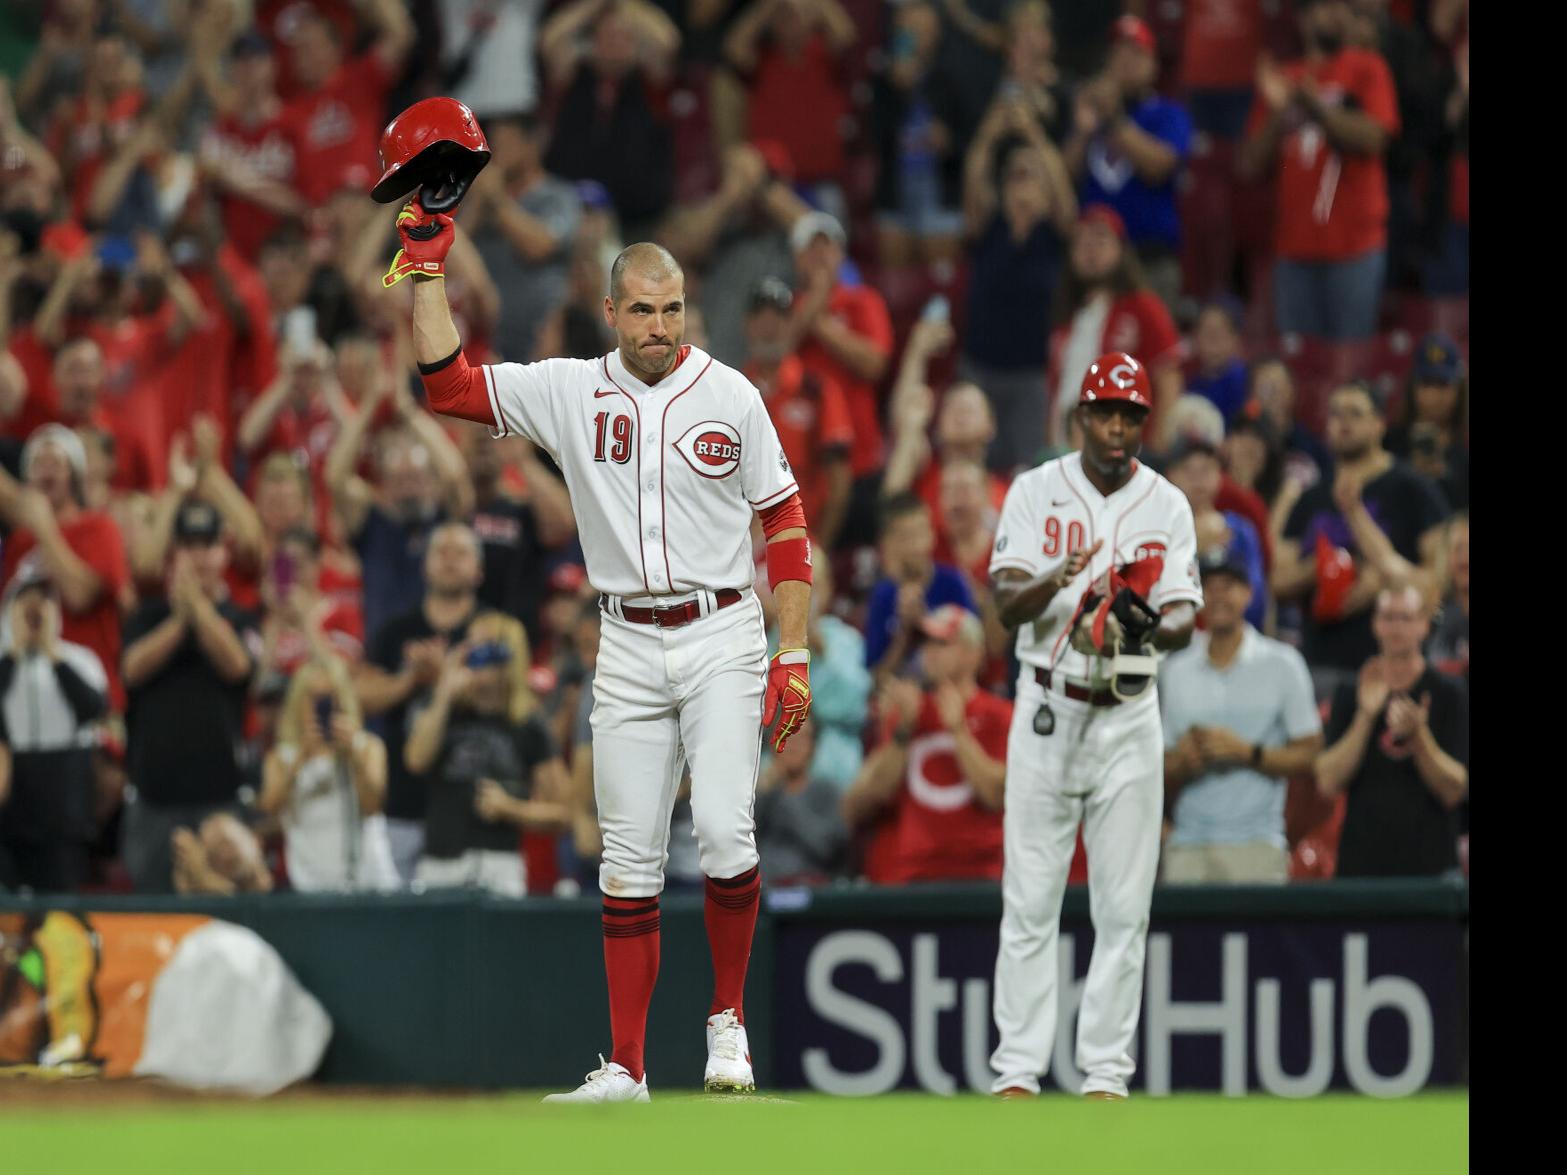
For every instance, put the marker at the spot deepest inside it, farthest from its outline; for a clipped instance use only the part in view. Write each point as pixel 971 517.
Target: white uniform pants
pixel 664 698
pixel 1102 766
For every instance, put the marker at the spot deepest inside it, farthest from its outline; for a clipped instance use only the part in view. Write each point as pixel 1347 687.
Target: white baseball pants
pixel 1103 767
pixel 664 698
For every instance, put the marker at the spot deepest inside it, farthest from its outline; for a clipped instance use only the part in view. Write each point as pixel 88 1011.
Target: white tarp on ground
pixel 227 1013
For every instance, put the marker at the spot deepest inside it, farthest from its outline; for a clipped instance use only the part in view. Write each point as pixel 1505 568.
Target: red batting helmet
pixel 1116 376
pixel 436 146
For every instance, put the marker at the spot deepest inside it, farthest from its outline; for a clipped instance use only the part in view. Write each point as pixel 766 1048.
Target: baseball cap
pixel 1133 30
pixel 251 44
pixel 771 293
pixel 813 225
pixel 953 620
pixel 1105 215
pixel 31 574
pixel 62 438
pixel 1188 445
pixel 1223 561
pixel 568 578
pixel 197 522
pixel 1438 361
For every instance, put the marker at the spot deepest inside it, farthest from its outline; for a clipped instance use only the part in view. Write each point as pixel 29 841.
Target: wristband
pixel 788 559
pixel 1256 754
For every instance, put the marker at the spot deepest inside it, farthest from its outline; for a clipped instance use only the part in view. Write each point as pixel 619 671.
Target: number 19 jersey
pixel 663 478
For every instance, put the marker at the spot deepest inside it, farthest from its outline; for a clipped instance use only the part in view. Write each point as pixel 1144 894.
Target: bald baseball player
pixel 1095 565
pixel 667 454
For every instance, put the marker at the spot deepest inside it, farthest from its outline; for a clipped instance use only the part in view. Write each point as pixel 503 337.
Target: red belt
pixel 1094 697
pixel 673 615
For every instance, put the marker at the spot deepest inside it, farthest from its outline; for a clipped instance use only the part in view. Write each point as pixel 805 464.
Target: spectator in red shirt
pixel 788 52
pixel 79 550
pixel 809 410
pixel 301 413
pixel 1322 126
pixel 249 151
pixel 303 618
pixel 1220 43
pixel 1105 305
pixel 843 333
pixel 78 376
pixel 341 107
pixel 931 793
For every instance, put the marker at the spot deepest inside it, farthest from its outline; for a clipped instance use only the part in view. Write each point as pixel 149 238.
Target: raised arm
pixel 743 43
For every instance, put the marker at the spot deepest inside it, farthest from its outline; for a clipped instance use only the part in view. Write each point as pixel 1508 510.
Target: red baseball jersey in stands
pixel 277 20
pixel 337 128
pixel 1138 323
pixel 939 831
pixel 267 149
pixel 1220 43
pixel 801 103
pixel 96 540
pixel 811 416
pixel 864 312
pixel 1333 205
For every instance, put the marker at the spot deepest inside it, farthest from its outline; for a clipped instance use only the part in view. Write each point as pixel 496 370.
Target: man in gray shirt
pixel 523 221
pixel 1239 720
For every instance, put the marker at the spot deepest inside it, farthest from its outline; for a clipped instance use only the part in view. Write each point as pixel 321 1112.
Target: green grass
pixel 1338 1135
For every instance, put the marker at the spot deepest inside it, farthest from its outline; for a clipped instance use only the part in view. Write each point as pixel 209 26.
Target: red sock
pixel 730 914
pixel 631 965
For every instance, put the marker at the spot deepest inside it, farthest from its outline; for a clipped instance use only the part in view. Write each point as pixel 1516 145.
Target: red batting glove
pixel 789 689
pixel 425 241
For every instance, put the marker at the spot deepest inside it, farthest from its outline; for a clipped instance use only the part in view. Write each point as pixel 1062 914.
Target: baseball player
pixel 666 453
pixel 1095 565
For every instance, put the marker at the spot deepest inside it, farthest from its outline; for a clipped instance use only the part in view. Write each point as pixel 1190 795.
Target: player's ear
pixel 609 310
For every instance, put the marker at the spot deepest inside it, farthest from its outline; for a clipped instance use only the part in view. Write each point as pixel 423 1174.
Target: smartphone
pixel 324 708
pixel 299 328
pixel 116 252
pixel 283 572
pixel 938 309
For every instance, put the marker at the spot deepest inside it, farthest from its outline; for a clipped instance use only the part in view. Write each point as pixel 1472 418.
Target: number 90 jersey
pixel 1054 510
pixel 663 478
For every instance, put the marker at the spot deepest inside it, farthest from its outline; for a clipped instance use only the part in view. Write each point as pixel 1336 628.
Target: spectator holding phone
pixel 51 691
pixel 1018 209
pixel 1432 431
pixel 301 619
pixel 325 779
pixel 81 551
pixel 913 585
pixel 491 766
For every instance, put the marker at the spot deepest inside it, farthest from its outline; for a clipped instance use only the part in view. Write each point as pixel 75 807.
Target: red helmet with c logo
pixel 436 146
pixel 1116 376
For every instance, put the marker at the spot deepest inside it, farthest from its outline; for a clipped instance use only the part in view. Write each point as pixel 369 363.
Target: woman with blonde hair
pixel 326 779
pixel 490 763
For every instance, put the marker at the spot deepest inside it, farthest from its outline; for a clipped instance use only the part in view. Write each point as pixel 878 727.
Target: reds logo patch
pixel 1149 551
pixel 711 448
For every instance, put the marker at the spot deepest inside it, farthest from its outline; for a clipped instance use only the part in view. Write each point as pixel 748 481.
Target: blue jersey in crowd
pixel 1109 178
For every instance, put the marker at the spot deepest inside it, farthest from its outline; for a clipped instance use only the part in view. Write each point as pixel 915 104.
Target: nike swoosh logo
pixel 601 393
pixel 1062 502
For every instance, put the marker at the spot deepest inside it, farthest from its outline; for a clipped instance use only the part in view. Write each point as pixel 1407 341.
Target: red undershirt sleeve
pixel 453 388
pixel 788 513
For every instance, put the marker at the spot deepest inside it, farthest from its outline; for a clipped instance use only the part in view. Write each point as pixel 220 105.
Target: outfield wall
pixel 857 991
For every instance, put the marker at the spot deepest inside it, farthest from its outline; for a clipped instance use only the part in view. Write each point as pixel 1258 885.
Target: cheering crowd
pixel 268 623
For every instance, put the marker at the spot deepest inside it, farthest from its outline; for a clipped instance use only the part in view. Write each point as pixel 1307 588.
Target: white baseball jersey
pixel 1054 510
pixel 663 478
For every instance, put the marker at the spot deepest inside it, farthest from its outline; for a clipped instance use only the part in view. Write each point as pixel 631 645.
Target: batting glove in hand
pixel 788 689
pixel 425 240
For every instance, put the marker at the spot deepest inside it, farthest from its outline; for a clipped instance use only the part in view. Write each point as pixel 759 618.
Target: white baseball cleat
pixel 728 1056
pixel 608 1083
